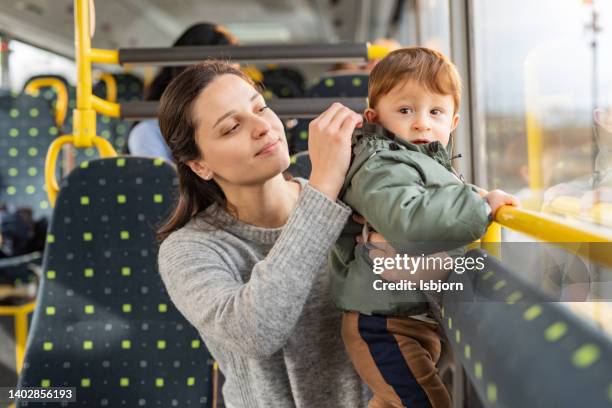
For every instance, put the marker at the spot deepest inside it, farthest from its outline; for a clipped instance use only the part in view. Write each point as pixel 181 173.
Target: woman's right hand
pixel 329 148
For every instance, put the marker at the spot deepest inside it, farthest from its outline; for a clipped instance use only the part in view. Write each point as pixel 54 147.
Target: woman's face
pixel 241 140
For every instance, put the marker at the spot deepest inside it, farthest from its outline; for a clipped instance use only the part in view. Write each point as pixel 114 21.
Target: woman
pixel 145 138
pixel 244 255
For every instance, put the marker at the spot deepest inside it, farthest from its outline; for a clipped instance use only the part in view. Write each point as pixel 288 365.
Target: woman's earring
pixel 208 177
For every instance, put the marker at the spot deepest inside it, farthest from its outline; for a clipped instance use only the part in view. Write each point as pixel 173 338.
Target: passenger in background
pixel 145 138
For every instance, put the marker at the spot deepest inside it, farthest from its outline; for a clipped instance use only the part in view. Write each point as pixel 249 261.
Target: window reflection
pixel 542 89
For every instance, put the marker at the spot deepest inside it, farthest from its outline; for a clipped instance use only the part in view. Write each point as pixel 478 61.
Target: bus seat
pixel 49 93
pixel 300 165
pixel 344 85
pixel 329 86
pixel 104 322
pixel 517 344
pixel 297 136
pixel 129 88
pixel 284 82
pixel 27 128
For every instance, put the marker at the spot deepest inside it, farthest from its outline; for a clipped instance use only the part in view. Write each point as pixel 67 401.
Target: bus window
pixel 26 61
pixel 540 74
pixel 434 25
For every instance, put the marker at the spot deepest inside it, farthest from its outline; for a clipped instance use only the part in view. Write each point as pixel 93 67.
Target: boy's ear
pixel 201 169
pixel 370 115
pixel 455 122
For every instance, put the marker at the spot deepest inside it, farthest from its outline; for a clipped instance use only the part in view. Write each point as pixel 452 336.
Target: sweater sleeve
pixel 394 200
pixel 254 318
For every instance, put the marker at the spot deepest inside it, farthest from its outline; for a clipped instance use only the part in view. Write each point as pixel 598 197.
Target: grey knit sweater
pixel 260 299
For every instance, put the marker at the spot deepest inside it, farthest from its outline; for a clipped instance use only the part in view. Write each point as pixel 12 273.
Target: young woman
pixel 244 255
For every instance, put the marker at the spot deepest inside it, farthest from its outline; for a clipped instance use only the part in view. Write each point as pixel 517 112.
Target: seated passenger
pixel 402 183
pixel 145 138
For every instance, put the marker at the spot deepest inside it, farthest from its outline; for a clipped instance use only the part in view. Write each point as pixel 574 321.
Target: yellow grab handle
pixel 376 52
pixel 111 86
pixel 61 105
pixel 491 240
pixel 105 149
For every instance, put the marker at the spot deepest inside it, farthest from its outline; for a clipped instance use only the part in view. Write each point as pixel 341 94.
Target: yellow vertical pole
pixel 491 240
pixel 534 137
pixel 21 334
pixel 84 126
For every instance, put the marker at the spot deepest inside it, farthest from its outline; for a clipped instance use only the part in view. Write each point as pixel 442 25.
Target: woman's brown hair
pixel 177 125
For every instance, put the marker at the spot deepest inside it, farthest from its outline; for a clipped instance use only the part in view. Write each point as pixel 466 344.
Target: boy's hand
pixel 498 198
pixel 380 248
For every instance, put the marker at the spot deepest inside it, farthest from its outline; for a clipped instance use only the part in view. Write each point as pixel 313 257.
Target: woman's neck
pixel 265 205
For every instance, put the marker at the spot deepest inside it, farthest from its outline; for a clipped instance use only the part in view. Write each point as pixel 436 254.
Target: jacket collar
pixel 435 149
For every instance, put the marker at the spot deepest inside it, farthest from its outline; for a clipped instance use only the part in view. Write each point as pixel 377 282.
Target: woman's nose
pixel 260 127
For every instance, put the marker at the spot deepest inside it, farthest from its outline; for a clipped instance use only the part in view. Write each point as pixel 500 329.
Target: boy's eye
pixel 405 110
pixel 436 112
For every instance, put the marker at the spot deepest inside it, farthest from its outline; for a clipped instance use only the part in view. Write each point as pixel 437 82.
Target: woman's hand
pixel 329 148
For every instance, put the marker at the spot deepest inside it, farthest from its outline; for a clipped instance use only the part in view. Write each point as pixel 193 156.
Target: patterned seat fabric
pixel 284 82
pixel 342 86
pixel 300 165
pixel 129 88
pixel 104 322
pixel 297 136
pixel 27 128
pixel 48 93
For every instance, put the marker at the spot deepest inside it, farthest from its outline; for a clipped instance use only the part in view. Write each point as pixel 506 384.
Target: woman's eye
pixel 405 110
pixel 232 129
pixel 262 108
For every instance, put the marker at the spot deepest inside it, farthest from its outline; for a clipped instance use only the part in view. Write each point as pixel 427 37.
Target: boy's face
pixel 415 114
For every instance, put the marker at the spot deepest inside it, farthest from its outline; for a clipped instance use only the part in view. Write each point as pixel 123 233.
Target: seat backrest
pixel 284 82
pixel 27 128
pixel 330 86
pixel 129 87
pixel 344 85
pixel 104 322
pixel 297 136
pixel 300 165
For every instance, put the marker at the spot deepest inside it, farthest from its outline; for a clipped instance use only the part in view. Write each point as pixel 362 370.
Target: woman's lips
pixel 268 148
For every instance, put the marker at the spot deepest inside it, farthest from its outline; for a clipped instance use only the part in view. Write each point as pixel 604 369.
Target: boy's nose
pixel 420 122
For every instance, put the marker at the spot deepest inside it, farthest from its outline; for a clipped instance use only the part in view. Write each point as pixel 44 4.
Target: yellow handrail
pixel 579 239
pixel 61 104
pixel 111 86
pixel 104 148
pixel 21 329
pixel 84 116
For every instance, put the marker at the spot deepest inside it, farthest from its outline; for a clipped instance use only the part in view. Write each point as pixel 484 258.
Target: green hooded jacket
pixel 409 194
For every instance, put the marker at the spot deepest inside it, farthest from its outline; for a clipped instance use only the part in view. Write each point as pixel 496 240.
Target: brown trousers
pixel 397 358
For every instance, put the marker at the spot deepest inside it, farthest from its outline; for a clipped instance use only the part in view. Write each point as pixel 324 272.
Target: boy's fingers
pixel 376 237
pixel 358 218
